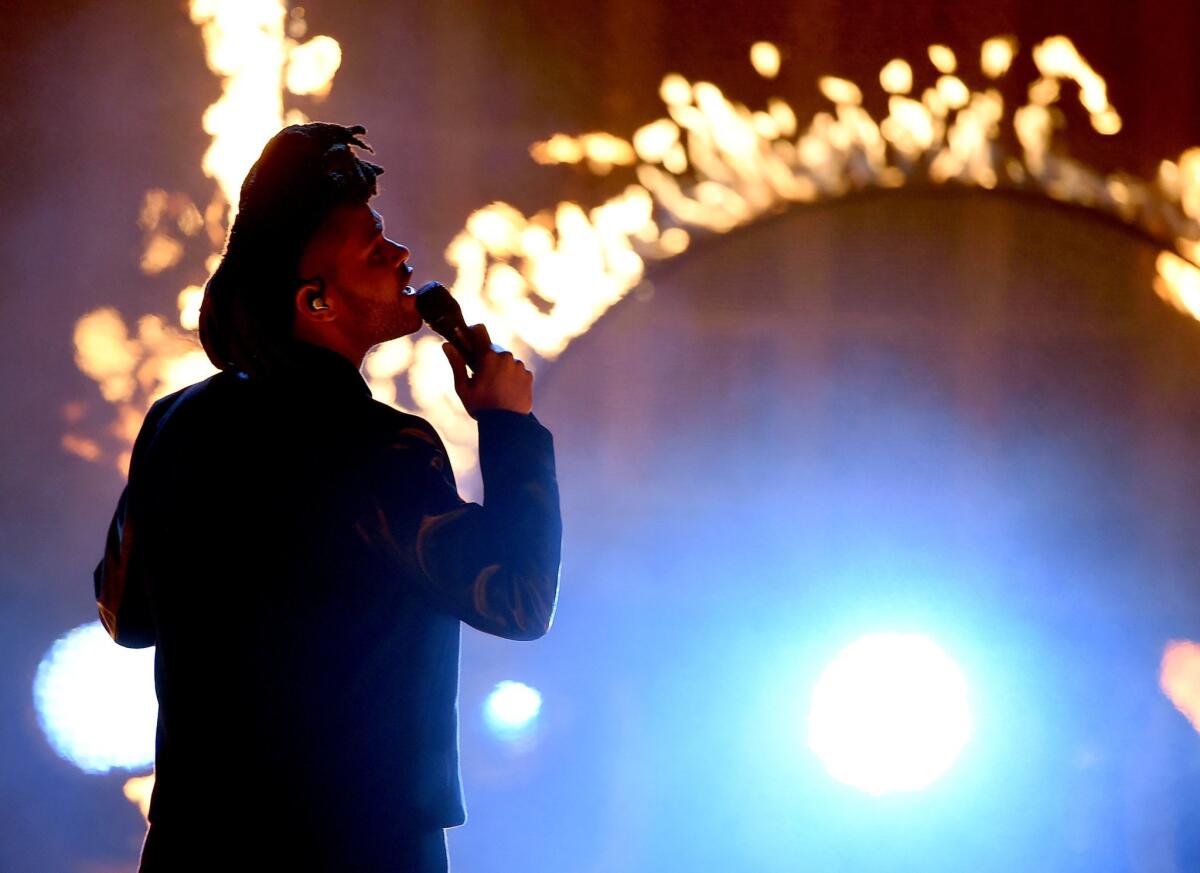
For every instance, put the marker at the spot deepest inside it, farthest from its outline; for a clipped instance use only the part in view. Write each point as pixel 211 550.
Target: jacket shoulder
pixel 398 428
pixel 162 408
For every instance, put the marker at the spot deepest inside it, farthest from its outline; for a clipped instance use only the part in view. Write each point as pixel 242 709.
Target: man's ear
pixel 310 299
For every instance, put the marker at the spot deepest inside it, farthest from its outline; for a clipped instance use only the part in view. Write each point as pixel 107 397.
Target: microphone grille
pixel 434 303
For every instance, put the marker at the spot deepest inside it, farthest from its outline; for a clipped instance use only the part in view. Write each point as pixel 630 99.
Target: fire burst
pixel 253 46
pixel 708 166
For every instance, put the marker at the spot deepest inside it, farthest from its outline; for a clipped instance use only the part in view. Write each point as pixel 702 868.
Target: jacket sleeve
pixel 495 566
pixel 120 584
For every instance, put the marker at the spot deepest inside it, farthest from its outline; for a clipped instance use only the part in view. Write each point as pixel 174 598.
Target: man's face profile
pixel 362 302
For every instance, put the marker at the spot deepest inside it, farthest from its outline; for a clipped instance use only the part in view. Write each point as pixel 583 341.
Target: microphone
pixel 441 312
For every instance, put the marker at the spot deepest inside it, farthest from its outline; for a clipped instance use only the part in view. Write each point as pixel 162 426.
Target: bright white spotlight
pixel 889 713
pixel 511 708
pixel 95 701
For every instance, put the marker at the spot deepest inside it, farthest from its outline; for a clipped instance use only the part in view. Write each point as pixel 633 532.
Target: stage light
pixel 511 708
pixel 889 713
pixel 95 701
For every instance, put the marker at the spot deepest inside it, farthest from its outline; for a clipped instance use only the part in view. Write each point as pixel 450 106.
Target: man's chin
pixel 408 328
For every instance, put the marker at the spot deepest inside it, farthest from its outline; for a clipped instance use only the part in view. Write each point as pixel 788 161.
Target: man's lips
pixel 405 274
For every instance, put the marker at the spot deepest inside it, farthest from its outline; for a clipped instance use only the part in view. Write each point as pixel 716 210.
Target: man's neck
pixel 342 347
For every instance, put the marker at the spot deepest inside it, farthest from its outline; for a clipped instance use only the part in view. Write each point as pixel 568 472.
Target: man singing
pixel 298 552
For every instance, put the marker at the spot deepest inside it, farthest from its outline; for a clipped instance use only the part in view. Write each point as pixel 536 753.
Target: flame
pixel 1057 58
pixel 138 791
pixel 311 66
pixel 602 151
pixel 996 56
pixel 896 77
pixel 708 165
pixel 942 57
pixel 250 44
pixel 764 56
pixel 1179 678
pixel 82 447
pixel 1178 283
pixel 712 165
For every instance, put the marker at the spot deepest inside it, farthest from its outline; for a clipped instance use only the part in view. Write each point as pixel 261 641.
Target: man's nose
pixel 399 253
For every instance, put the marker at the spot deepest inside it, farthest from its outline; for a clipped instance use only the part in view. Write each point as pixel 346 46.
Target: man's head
pixel 306 259
pixel 353 291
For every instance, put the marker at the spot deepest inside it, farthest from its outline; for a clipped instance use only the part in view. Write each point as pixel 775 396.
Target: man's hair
pixel 303 173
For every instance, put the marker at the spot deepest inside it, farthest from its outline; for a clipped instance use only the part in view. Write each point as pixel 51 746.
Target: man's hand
pixel 501 382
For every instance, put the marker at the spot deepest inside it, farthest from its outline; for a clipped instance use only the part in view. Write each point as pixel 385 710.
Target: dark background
pixel 951 412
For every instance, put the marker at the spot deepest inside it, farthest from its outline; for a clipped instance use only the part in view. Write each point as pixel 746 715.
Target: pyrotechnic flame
pixel 996 56
pixel 602 151
pixel 896 76
pixel 1057 58
pixel 138 791
pixel 709 165
pixel 249 47
pixel 764 56
pixel 942 57
pixel 712 165
pixel 1179 678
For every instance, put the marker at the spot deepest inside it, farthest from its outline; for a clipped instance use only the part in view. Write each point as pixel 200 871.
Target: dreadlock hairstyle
pixel 304 171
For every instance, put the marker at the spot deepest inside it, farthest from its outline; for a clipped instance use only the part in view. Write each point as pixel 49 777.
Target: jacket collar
pixel 316 368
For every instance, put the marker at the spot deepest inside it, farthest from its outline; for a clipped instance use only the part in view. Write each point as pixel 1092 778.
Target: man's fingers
pixel 457 364
pixel 501 380
pixel 481 334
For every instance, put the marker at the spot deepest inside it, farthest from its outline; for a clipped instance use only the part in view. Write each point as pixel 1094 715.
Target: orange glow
pixel 943 58
pixel 996 56
pixel 675 90
pixel 602 151
pixel 1057 58
pixel 1187 177
pixel 162 252
pixel 653 141
pixel 81 447
pixel 138 791
pixel 953 92
pixel 1178 282
pixel 840 91
pixel 1043 92
pixel 896 77
pixel 764 56
pixel 1179 678
pixel 1107 121
pixel 312 65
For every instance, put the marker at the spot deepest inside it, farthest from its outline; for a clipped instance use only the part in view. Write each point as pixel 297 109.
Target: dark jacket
pixel 300 557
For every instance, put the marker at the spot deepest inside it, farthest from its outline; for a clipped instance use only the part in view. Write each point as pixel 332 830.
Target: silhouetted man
pixel 299 554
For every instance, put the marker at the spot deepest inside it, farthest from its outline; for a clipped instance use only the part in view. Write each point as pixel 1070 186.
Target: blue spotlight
pixel 511 708
pixel 95 701
pixel 889 713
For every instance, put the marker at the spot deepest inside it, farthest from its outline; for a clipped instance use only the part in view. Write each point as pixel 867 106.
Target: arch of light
pixel 708 166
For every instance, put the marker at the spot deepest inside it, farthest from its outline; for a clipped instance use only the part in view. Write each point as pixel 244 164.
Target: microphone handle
pixel 461 339
pixel 455 331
